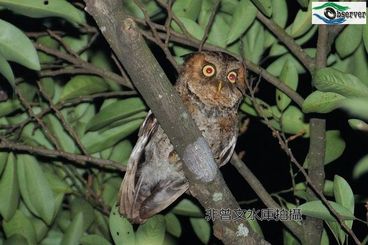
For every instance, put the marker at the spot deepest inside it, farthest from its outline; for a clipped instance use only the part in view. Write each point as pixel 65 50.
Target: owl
pixel 211 86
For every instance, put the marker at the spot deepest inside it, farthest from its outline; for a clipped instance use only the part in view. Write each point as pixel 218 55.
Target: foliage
pixel 70 117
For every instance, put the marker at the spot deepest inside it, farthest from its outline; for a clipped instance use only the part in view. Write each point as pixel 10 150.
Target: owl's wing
pixel 128 186
pixel 145 192
pixel 228 151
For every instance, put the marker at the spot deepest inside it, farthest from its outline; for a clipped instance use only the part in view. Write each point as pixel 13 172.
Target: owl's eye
pixel 208 70
pixel 231 76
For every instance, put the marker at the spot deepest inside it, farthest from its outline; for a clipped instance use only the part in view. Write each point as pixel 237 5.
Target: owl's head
pixel 216 78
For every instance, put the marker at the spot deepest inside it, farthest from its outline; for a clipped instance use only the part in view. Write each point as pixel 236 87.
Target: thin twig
pixel 209 24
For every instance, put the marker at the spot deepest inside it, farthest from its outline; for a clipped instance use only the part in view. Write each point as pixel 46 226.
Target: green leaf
pixel 201 228
pixel 288 76
pixel 205 13
pixel 16 46
pixel 9 106
pixel 302 22
pixel 187 8
pixel 110 190
pixel 6 71
pixel 19 224
pixel 116 111
pixel 94 239
pixel 81 85
pixel 348 40
pixel 292 121
pixel 3 161
pixel 9 189
pixel 253 43
pixel 357 107
pixel 344 194
pixel 79 205
pixel 102 60
pixel 121 152
pixel 63 138
pixel 152 231
pixel 279 16
pixel 365 36
pixel 120 228
pixel 243 17
pixel 332 80
pixel 265 6
pixel 75 231
pixel 361 168
pixel 191 27
pixel 322 102
pixel 187 208
pixel 53 237
pixel 15 240
pixel 49 42
pixel 218 32
pixel 358 124
pixel 173 225
pixel 317 209
pixel 42 9
pixel 335 146
pixel 34 188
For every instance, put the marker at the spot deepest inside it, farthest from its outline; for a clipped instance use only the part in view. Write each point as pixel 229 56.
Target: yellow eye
pixel 208 70
pixel 231 76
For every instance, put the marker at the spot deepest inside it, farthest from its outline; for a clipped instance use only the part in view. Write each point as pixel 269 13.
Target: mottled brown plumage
pixel 211 85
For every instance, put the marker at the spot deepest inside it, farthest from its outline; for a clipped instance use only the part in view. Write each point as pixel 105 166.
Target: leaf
pixel 110 190
pixel 265 6
pixel 358 124
pixel 81 85
pixel 253 45
pixel 34 188
pixel 152 231
pixel 16 46
pixel 218 32
pixel 279 16
pixel 19 224
pixel 243 17
pixel 94 239
pixel 173 225
pixel 15 240
pixel 201 228
pixel 121 152
pixel 365 36
pixel 187 208
pixel 322 102
pixel 63 138
pixel 120 228
pixel 361 168
pixel 9 189
pixel 344 194
pixel 335 146
pixel 49 42
pixel 103 61
pixel 79 205
pixel 42 9
pixel 302 22
pixel 3 161
pixel 292 121
pixel 191 27
pixel 348 40
pixel 205 13
pixel 6 71
pixel 115 111
pixel 332 80
pixel 75 231
pixel 317 209
pixel 289 76
pixel 187 8
pixel 357 107
pixel 9 106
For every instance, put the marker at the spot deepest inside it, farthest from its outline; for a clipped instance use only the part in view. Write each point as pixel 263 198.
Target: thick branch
pixel 200 169
pixel 316 172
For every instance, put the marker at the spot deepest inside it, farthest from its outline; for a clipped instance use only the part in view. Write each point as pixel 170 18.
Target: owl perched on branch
pixel 211 85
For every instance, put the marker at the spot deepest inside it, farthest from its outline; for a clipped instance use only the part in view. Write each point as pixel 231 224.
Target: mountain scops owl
pixel 211 85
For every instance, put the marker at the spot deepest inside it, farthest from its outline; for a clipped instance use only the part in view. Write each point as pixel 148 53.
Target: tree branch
pixel 200 169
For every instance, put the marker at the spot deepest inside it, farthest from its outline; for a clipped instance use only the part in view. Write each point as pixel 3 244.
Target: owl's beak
pixel 219 87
